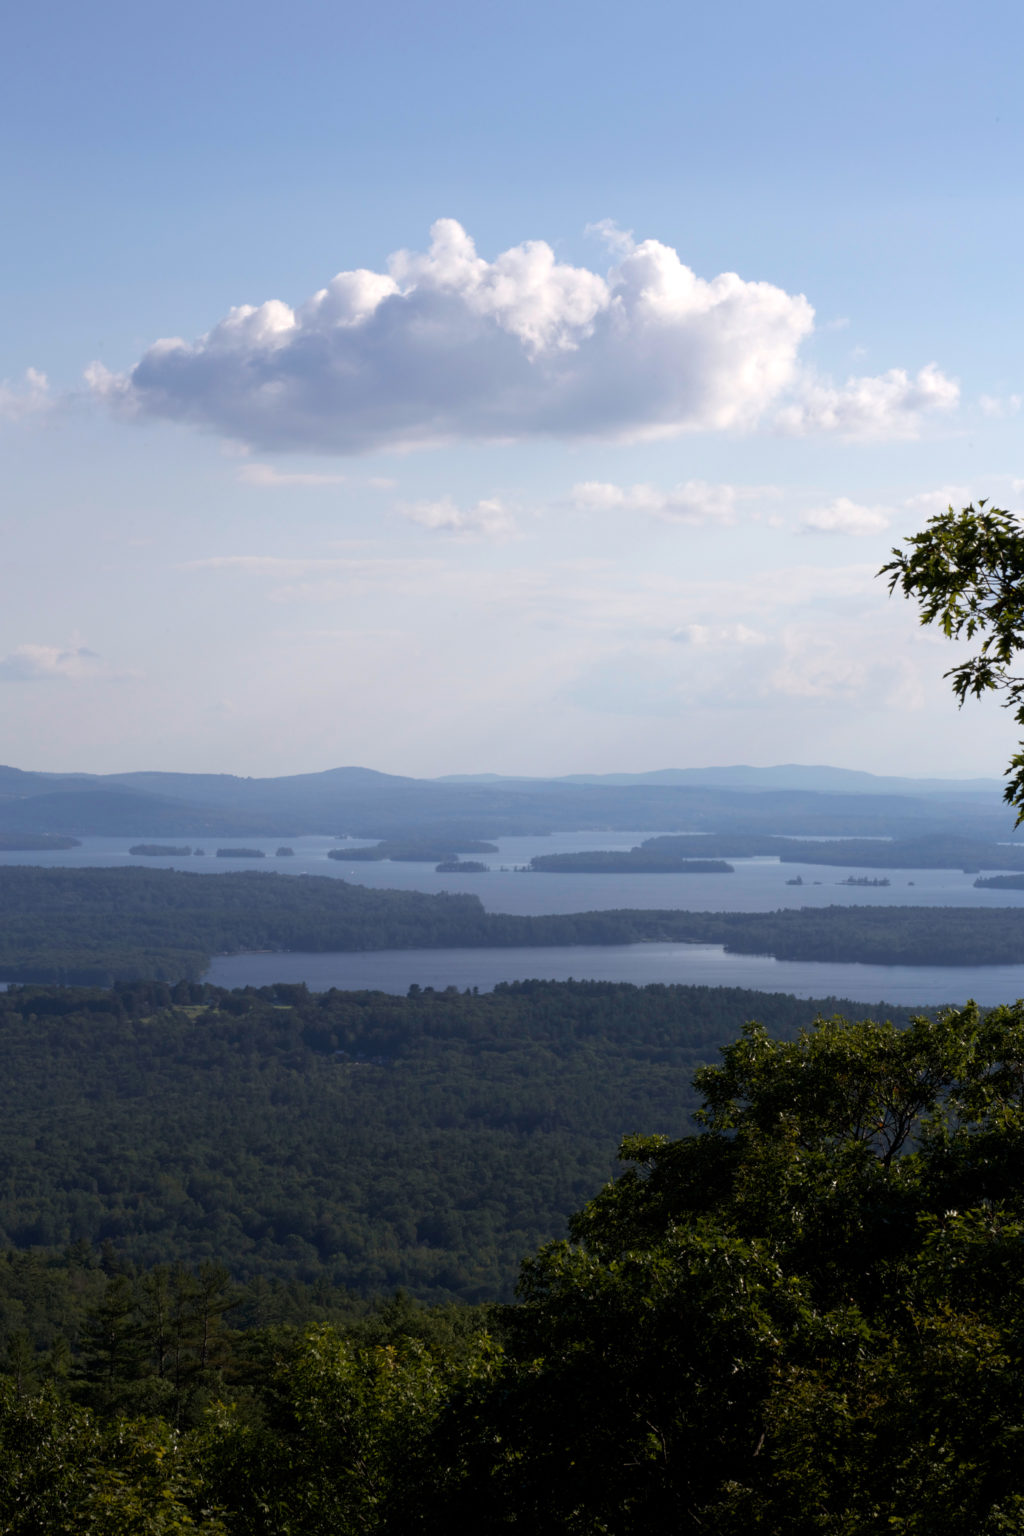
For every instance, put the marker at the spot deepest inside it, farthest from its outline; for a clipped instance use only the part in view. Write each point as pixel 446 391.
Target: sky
pixel 462 387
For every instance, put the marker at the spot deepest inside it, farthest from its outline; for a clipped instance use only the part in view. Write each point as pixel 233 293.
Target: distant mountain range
pixel 793 799
pixel 819 780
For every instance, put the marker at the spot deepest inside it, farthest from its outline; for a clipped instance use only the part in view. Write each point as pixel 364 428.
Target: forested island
pixel 35 842
pixel 939 850
pixel 635 861
pixel 1000 882
pixel 95 926
pixel 240 853
pixel 423 850
pixel 461 867
pixel 159 851
pixel 705 853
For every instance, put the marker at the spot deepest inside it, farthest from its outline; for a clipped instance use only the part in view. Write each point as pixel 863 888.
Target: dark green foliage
pixel 966 572
pixel 804 1320
pixel 361 1139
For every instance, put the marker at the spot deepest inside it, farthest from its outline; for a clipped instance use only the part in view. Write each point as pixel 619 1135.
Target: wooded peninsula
pixel 681 854
pixel 95 926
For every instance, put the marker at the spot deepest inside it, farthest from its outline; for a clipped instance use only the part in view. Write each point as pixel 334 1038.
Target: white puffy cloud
pixel 891 404
pixel 694 501
pixel 445 515
pixel 48 663
pixel 844 516
pixel 447 345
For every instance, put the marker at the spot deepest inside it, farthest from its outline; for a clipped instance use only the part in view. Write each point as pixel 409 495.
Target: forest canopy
pixel 802 1318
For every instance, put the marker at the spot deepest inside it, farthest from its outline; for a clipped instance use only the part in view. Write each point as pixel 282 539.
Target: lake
pixel 704 965
pixel 758 885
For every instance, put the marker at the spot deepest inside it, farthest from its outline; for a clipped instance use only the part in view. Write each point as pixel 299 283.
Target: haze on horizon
pixel 532 392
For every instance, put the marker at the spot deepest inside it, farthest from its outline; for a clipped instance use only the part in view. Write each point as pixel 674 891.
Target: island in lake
pixel 35 842
pixel 634 861
pixel 240 853
pixel 863 880
pixel 413 850
pixel 159 851
pixel 461 867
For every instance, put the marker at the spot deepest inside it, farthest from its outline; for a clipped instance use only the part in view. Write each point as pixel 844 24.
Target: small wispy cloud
pixel 488 516
pixel 694 501
pixel 50 663
pixel 1000 406
pixel 32 397
pixel 718 635
pixel 619 241
pixel 266 474
pixel 845 516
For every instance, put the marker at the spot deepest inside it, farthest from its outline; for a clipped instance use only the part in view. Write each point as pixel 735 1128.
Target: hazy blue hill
pixel 16 782
pixel 815 779
pixel 362 802
pixel 228 788
pixel 115 812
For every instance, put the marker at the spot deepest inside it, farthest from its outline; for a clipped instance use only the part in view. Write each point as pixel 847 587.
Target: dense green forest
pixel 361 1139
pixel 94 926
pixel 673 854
pixel 803 1320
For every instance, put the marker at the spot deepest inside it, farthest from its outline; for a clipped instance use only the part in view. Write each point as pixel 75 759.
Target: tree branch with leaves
pixel 966 571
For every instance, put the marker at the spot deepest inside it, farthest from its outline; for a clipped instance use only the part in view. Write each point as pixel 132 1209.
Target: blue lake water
pixel 685 964
pixel 758 885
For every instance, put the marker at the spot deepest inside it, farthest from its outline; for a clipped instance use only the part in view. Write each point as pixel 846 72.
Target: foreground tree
pixel 966 571
pixel 806 1319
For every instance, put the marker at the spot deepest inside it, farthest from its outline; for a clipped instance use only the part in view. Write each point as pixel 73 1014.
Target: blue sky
pixel 550 491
